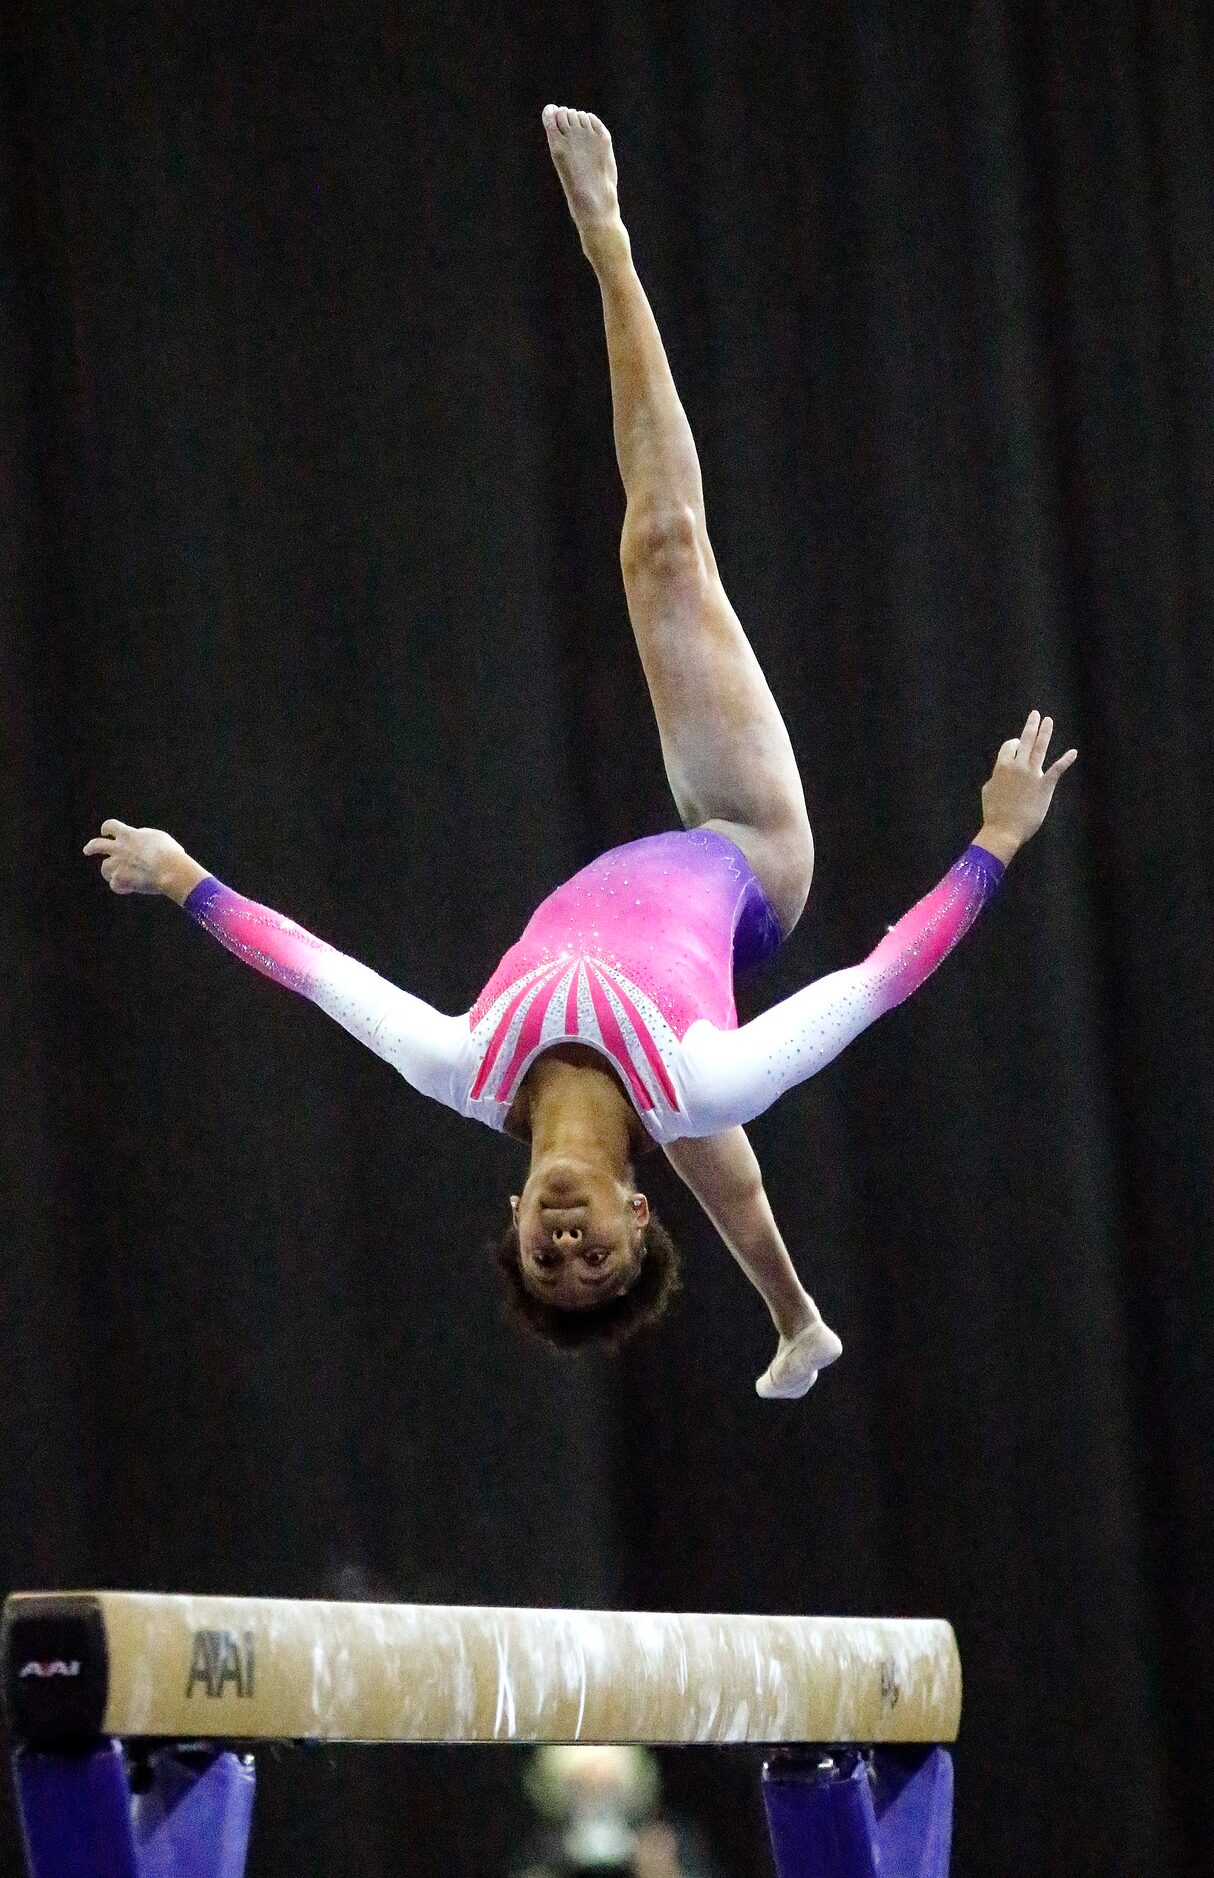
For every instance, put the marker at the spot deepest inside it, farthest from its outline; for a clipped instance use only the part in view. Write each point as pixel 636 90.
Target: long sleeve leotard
pixel 635 957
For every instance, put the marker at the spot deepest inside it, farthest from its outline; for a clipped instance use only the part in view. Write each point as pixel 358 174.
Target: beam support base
pixel 176 1811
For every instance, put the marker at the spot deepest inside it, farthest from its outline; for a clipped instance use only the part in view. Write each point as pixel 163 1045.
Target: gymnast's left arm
pixel 423 1044
pixel 733 1075
pixel 724 1174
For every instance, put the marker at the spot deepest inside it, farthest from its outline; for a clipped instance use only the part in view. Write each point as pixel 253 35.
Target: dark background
pixel 310 529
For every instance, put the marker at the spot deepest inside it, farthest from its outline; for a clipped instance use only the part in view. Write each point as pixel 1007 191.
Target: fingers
pixel 1061 766
pixel 110 831
pixel 106 845
pixel 1041 743
pixel 1032 746
pixel 104 842
pixel 1027 736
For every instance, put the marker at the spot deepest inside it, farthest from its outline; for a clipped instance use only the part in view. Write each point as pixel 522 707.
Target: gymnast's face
pixel 580 1231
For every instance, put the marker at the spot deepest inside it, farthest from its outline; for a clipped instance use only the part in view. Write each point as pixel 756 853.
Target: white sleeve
pixel 426 1047
pixel 730 1076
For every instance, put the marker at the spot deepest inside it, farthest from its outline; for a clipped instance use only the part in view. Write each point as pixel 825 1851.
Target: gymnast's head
pixel 584 1259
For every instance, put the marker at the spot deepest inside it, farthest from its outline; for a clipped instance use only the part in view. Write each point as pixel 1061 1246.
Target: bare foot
pixel 793 1370
pixel 585 162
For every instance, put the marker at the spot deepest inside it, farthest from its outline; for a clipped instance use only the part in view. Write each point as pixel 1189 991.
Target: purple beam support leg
pixel 189 1815
pixel 192 1813
pixel 76 1813
pixel 841 1813
pixel 820 1814
pixel 914 1800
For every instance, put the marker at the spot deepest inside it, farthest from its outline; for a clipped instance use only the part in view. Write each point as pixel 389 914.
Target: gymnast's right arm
pixel 423 1044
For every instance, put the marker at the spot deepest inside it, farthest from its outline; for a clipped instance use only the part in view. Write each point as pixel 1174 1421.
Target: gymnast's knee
pixel 663 540
pixel 791 871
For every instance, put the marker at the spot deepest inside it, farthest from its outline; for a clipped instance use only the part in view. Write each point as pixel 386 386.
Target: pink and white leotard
pixel 635 957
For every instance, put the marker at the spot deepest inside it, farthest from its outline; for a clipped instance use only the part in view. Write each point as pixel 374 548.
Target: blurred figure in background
pixel 599 1805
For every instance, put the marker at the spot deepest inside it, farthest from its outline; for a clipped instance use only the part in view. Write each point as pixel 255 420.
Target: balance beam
pixel 134 1664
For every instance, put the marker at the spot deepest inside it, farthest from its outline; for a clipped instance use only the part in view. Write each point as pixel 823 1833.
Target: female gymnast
pixel 611 1024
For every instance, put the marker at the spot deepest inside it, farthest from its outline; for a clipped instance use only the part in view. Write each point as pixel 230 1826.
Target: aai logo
pixel 220 1661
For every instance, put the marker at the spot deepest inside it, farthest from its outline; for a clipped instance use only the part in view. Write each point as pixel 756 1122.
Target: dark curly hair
pixel 611 1324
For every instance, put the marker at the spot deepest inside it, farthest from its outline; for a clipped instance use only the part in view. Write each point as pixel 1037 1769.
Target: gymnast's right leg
pixel 727 752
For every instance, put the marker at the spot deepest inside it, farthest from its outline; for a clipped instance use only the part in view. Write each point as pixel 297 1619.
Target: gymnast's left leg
pixel 728 757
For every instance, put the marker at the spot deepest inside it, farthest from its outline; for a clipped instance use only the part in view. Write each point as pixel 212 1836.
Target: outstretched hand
pixel 1016 800
pixel 135 860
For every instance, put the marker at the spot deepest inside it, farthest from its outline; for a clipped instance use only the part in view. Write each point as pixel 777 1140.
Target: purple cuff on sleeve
pixel 983 860
pixel 199 899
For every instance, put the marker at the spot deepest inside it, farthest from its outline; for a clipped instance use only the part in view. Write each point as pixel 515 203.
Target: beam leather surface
pixel 260 1669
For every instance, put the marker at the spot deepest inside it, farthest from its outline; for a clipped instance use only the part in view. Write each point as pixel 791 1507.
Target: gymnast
pixel 610 1025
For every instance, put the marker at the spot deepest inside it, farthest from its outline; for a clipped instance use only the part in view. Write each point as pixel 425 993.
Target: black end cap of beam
pixel 54 1667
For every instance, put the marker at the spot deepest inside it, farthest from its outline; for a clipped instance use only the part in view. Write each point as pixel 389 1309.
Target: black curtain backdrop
pixel 310 529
